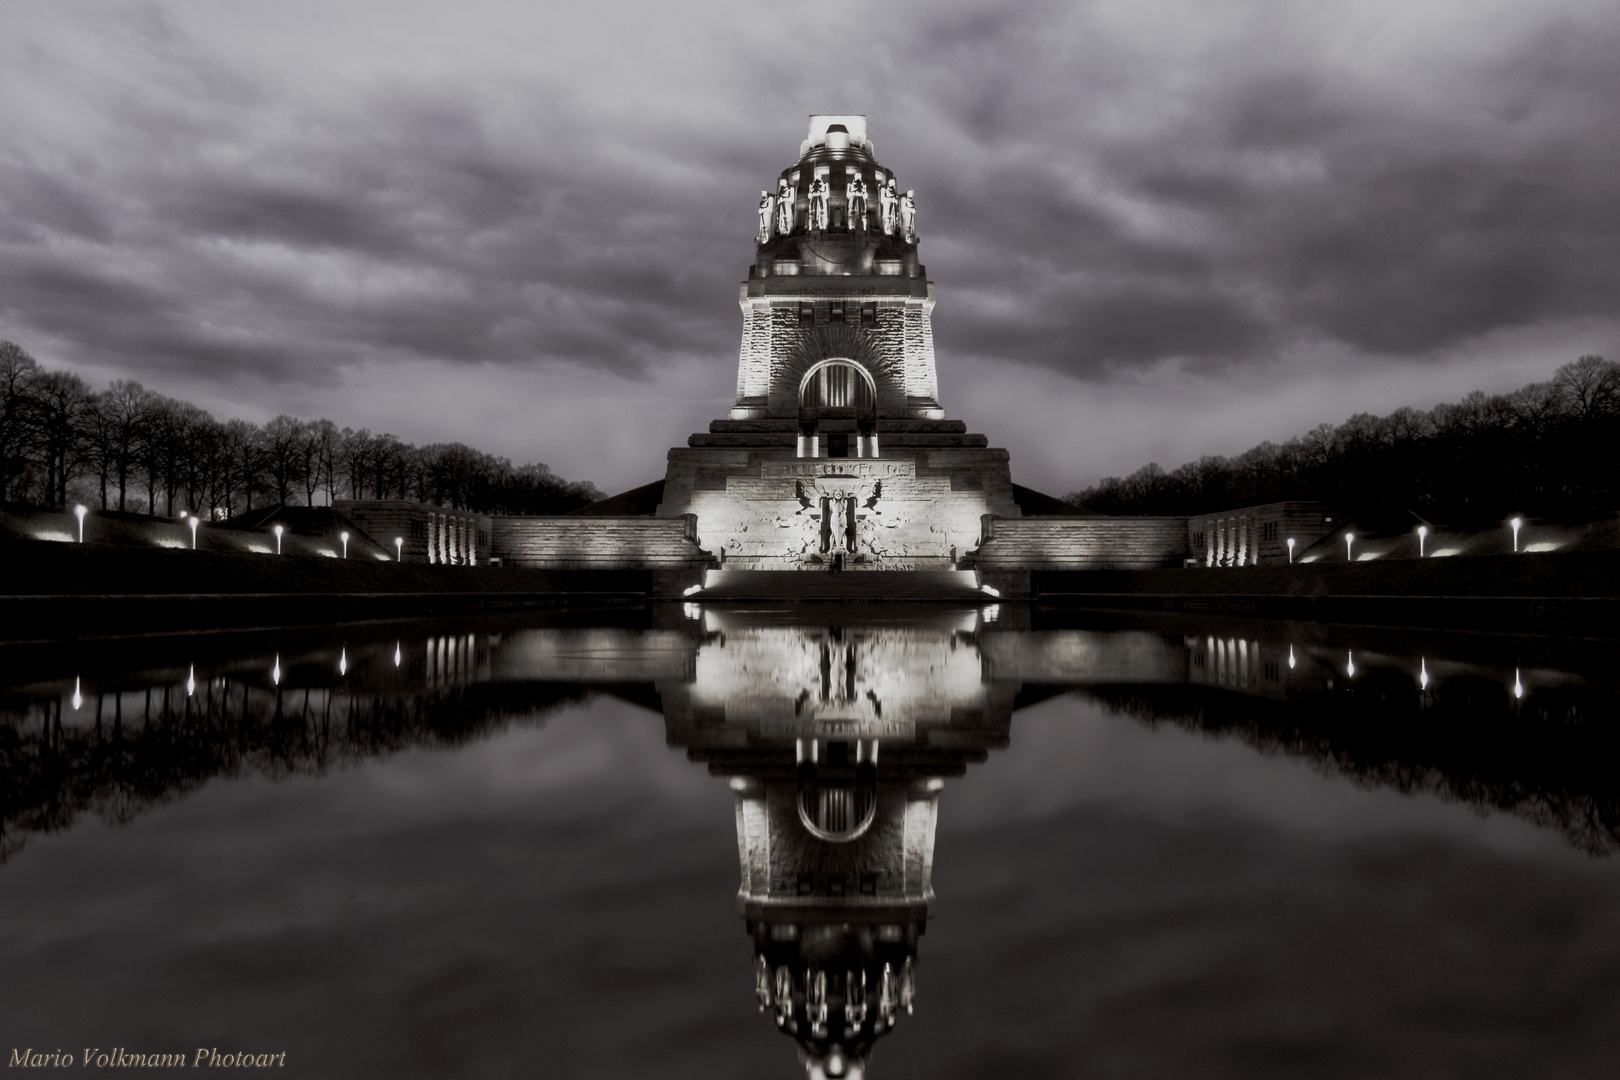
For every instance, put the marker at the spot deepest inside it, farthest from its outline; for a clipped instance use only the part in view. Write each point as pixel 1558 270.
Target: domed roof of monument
pixel 837 136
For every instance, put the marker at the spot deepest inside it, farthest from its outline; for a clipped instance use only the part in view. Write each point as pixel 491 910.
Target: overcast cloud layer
pixel 1168 228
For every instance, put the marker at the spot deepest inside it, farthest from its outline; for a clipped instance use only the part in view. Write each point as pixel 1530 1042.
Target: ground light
pixel 1290 549
pixel 345 537
pixel 1423 531
pixel 193 532
pixel 1349 538
pixel 1516 522
pixel 399 549
pixel 278 539
pixel 79 512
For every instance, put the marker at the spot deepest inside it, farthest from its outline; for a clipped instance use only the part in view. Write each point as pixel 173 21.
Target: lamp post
pixel 1290 549
pixel 1516 522
pixel 193 523
pixel 1349 539
pixel 1423 531
pixel 345 537
pixel 278 539
pixel 79 512
pixel 399 549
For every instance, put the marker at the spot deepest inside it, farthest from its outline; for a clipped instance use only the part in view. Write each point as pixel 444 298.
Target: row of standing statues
pixel 897 213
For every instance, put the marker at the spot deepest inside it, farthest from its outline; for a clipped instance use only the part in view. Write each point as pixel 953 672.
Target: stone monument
pixel 837 453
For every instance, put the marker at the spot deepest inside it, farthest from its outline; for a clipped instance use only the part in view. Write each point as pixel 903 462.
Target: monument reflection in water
pixel 837 742
pixel 836 735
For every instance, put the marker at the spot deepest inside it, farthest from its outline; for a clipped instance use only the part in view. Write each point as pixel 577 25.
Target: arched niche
pixel 837 384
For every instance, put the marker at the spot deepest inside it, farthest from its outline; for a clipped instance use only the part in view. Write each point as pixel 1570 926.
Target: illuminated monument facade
pixel 837 451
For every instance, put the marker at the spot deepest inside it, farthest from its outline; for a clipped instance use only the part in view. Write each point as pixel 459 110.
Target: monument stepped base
pixel 956 586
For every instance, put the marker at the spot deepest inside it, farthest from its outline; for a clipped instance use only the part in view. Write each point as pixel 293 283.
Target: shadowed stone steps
pixel 957 586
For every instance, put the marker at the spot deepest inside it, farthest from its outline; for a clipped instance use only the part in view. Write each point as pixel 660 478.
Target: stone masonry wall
pixel 1041 543
pixel 598 543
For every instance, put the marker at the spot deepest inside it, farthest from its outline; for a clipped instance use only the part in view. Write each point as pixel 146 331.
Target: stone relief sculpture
pixel 908 217
pixel 888 208
pixel 818 204
pixel 767 213
pixel 857 202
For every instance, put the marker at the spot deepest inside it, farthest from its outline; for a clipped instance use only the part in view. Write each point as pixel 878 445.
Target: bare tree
pixel 1589 387
pixel 60 402
pixel 283 456
pixel 18 371
pixel 123 407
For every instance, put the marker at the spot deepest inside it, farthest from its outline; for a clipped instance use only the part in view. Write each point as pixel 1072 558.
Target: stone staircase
pixel 955 586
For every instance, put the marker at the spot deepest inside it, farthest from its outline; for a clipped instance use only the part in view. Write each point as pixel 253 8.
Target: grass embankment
pixel 55 591
pixel 42 568
pixel 1544 574
pixel 1564 594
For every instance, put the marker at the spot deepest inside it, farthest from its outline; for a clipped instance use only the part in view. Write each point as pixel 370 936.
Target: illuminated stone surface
pixel 837 448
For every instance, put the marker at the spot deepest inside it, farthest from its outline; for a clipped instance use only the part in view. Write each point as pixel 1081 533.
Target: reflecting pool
pixel 858 840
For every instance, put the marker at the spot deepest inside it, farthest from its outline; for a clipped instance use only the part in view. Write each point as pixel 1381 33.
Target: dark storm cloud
pixel 1259 196
pixel 1100 190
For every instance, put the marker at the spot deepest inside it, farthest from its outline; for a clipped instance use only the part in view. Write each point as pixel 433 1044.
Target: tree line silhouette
pixel 135 450
pixel 1547 449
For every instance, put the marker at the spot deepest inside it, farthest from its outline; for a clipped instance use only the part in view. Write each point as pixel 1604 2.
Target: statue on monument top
pixel 888 208
pixel 818 204
pixel 784 208
pixel 857 202
pixel 767 213
pixel 908 217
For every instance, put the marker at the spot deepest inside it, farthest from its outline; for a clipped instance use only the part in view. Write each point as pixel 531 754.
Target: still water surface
pixel 726 842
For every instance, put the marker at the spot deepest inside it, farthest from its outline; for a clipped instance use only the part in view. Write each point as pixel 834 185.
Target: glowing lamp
pixel 1423 531
pixel 277 531
pixel 345 538
pixel 1516 522
pixel 79 512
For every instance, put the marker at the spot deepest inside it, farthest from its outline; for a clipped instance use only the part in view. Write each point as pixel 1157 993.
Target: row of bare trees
pixel 1549 448
pixel 128 448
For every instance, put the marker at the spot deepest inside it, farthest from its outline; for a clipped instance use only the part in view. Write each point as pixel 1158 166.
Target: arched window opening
pixel 837 384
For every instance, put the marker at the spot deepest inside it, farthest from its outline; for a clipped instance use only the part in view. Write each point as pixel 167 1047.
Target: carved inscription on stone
pixel 854 468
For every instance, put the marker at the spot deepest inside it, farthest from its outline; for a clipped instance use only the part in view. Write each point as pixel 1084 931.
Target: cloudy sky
pixel 1158 229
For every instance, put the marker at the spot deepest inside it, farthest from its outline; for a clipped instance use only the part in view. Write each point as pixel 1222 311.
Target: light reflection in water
pixel 836 740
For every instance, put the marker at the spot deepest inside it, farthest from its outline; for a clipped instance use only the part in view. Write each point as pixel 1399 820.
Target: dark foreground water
pixel 514 848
